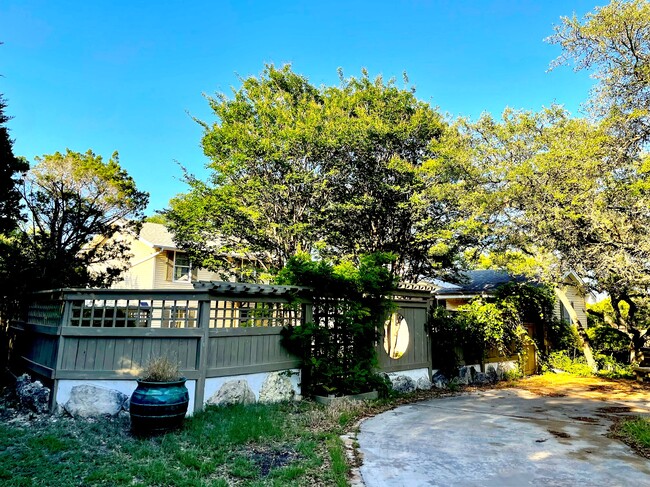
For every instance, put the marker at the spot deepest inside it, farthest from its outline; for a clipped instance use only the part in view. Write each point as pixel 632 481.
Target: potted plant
pixel 160 401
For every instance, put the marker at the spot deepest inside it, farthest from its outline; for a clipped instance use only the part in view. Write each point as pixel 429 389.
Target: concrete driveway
pixel 507 437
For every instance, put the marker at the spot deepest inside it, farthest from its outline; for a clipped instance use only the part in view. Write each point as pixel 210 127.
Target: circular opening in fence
pixel 396 336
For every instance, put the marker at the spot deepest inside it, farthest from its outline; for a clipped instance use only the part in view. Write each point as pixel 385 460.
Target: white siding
pixel 579 303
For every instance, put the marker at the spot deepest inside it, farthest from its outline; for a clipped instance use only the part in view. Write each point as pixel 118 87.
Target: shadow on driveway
pixel 503 437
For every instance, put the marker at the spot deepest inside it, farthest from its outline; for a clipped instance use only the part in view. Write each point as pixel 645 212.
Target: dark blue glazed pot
pixel 158 407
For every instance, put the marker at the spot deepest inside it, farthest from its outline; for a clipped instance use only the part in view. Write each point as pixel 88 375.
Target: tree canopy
pixel 75 203
pixel 574 193
pixel 342 170
pixel 10 169
pixel 613 42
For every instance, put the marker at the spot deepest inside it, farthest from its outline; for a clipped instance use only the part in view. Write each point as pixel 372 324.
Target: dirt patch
pixel 559 434
pixel 269 458
pixel 615 409
pixel 594 388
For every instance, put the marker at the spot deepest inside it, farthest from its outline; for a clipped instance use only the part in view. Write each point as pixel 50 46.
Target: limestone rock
pixel 403 384
pixel 491 373
pixel 233 392
pixel 88 401
pixel 32 395
pixel 481 378
pixel 439 380
pixel 424 384
pixel 466 375
pixel 276 387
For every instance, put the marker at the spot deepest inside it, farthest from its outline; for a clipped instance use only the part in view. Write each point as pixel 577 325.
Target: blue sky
pixel 129 75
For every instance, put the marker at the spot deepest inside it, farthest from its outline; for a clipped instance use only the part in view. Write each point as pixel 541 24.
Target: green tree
pixel 344 170
pixel 613 42
pixel 553 187
pixel 76 203
pixel 10 169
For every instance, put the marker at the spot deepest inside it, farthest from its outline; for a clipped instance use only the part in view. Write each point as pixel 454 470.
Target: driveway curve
pixel 502 437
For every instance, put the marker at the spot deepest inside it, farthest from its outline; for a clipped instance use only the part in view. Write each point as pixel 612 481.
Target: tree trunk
pixel 637 337
pixel 582 332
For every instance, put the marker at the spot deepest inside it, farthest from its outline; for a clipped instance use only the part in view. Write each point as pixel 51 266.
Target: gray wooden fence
pixel 218 329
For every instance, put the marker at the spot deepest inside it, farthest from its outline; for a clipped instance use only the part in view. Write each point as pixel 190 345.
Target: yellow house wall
pixel 453 304
pixel 140 274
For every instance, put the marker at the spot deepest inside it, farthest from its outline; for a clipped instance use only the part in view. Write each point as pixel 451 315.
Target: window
pixel 396 336
pixel 179 317
pixel 182 267
pixel 564 313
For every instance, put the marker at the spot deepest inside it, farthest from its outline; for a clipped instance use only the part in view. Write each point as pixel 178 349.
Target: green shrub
pixel 562 335
pixel 607 340
pixel 484 325
pixel 610 368
pixel 350 306
pixel 513 374
pixel 561 360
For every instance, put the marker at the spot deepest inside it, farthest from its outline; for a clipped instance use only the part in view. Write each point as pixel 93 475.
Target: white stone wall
pixel 212 385
pixel 255 381
pixel 124 386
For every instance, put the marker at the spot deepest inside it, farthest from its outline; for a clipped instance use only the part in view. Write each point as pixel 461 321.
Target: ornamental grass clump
pixel 161 369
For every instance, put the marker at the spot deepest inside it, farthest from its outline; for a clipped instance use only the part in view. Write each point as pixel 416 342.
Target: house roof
pixel 157 235
pixel 479 282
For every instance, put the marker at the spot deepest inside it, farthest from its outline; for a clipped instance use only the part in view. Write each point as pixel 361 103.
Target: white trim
pixel 441 297
pixel 189 266
pixel 148 257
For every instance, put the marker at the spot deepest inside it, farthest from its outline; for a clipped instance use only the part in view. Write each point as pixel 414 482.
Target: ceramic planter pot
pixel 158 407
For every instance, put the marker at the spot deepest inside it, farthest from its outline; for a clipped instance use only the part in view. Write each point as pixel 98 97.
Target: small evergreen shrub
pixel 610 368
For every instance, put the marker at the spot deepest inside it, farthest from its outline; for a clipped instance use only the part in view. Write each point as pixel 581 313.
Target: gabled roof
pixel 157 235
pixel 478 282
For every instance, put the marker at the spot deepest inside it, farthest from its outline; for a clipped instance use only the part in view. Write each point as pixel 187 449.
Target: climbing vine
pixel 487 325
pixel 337 347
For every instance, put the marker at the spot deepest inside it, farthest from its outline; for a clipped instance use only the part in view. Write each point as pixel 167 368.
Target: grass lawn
pixel 257 445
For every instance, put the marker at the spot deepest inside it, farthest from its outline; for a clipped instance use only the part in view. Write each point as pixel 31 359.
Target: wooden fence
pixel 217 329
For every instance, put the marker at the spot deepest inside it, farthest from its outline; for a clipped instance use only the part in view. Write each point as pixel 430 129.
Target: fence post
pixel 66 312
pixel 204 346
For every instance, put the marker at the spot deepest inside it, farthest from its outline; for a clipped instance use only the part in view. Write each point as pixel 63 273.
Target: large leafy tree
pixel 10 170
pixel 555 188
pixel 76 204
pixel 342 170
pixel 613 43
